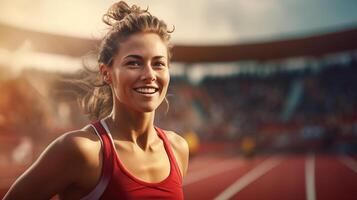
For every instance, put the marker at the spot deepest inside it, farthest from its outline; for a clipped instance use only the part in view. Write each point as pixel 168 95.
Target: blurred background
pixel 250 80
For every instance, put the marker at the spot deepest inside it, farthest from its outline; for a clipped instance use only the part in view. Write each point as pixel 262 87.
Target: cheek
pixel 166 78
pixel 122 83
pixel 166 82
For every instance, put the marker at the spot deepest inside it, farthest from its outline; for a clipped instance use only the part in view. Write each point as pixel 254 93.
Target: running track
pixel 285 177
pixel 292 177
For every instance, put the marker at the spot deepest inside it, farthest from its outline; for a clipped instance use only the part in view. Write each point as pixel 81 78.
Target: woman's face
pixel 140 73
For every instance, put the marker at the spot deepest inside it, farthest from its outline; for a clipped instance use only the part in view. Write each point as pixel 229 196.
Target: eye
pixel 160 64
pixel 133 63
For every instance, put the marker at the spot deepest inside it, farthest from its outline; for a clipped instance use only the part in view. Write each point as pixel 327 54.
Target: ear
pixel 105 73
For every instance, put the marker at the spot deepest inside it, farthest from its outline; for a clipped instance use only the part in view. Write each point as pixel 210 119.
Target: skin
pixel 71 165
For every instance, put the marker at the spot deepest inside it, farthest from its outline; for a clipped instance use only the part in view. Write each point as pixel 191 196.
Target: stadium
pixel 264 119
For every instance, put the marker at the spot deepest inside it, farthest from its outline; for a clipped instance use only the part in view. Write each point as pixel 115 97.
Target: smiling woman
pixel 122 155
pixel 140 73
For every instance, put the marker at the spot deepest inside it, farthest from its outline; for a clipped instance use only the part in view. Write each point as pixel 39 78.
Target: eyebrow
pixel 140 57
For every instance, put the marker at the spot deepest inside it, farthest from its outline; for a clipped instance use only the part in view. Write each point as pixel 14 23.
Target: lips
pixel 146 90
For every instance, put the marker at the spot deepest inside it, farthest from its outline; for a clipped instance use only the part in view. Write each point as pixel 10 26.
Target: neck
pixel 128 125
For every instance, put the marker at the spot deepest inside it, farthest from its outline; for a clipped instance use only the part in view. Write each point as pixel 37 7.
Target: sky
pixel 196 22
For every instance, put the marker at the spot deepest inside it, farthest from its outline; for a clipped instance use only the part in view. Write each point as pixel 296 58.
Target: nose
pixel 148 74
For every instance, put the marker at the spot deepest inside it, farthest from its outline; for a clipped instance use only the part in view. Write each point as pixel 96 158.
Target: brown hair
pixel 123 21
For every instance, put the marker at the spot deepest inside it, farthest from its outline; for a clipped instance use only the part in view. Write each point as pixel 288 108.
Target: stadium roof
pixel 345 40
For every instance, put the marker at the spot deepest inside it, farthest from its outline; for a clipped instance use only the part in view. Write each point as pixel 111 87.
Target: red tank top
pixel 117 183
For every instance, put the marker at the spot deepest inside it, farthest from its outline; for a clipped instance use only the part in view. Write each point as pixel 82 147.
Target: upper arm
pixel 181 149
pixel 56 168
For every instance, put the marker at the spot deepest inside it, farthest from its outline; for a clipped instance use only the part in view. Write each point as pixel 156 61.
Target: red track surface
pixel 284 179
pixel 261 178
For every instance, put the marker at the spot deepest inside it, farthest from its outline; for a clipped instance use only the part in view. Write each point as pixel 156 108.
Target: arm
pixel 56 168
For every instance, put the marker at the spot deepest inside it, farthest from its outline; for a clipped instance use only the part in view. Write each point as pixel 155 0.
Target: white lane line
pixel 310 177
pixel 248 178
pixel 211 171
pixel 349 162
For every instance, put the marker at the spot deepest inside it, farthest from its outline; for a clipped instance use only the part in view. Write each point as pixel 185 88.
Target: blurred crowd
pixel 299 111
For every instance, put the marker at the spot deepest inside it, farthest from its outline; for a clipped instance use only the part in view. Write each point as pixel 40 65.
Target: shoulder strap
pixel 170 153
pixel 107 163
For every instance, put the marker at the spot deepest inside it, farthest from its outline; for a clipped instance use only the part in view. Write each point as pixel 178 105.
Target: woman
pixel 122 155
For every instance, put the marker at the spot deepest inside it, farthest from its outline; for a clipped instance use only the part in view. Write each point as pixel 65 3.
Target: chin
pixel 147 108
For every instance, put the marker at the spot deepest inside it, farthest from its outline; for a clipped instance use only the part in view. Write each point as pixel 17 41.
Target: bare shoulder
pixel 79 142
pixel 180 148
pixel 78 147
pixel 177 141
pixel 83 147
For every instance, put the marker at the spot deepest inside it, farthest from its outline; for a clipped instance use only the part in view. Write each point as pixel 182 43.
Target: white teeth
pixel 146 90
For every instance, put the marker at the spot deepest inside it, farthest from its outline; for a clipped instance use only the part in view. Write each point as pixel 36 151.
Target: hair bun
pixel 119 11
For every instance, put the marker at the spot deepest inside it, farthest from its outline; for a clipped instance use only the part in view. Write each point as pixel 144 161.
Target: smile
pixel 146 90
